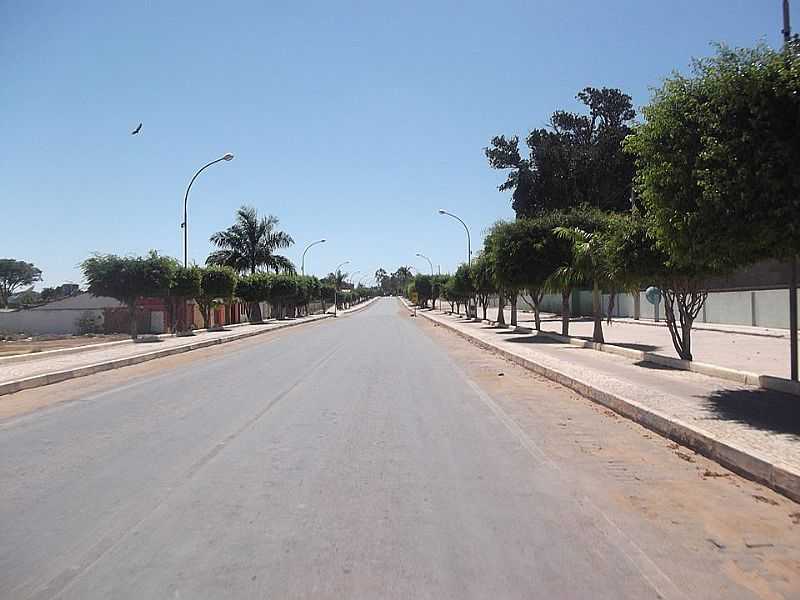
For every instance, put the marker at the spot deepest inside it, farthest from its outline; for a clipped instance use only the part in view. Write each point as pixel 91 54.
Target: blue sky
pixel 352 121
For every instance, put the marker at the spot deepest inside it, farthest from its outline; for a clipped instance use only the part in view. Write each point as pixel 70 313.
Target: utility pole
pixel 787 37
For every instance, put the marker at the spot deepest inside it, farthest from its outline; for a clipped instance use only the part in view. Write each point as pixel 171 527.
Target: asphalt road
pixel 347 459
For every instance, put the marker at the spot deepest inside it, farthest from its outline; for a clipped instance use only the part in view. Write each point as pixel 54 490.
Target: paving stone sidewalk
pixel 36 365
pixel 762 423
pixel 765 354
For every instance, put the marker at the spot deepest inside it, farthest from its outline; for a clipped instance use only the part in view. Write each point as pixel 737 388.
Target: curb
pixel 57 376
pixel 774 475
pixel 353 309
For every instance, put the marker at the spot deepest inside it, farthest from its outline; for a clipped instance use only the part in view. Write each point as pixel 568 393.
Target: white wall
pixel 759 308
pixel 42 321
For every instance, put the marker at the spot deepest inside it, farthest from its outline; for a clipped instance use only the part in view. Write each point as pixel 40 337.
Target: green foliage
pixel 15 274
pixel 481 274
pixel 577 160
pixel 218 283
pixel 186 282
pixel 250 244
pixel 254 288
pixel 128 278
pixel 717 160
pixel 423 285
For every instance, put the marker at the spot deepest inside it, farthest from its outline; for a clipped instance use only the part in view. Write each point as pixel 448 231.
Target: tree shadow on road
pixel 764 409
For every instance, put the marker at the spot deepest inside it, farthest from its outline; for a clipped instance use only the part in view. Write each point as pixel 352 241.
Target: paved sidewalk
pixel 753 423
pixel 38 366
pixel 733 349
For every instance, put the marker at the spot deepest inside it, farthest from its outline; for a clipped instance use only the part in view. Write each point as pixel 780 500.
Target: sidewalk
pixel 37 370
pixel 761 351
pixel 753 431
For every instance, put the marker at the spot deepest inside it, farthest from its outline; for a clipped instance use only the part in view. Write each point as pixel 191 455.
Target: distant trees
pixel 15 274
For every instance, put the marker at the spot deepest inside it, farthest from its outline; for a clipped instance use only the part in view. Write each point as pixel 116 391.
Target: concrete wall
pixel 42 321
pixel 758 308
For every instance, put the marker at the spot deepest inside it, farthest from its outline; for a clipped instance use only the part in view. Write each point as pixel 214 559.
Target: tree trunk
pixel 485 306
pixel 637 305
pixel 565 311
pixel 134 324
pixel 501 309
pixel 514 309
pixel 254 312
pixel 597 311
pixel 689 299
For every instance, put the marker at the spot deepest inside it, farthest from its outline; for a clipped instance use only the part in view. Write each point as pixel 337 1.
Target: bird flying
pixel 137 130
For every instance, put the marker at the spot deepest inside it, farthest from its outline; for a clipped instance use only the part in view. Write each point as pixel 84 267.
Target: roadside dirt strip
pixel 743 460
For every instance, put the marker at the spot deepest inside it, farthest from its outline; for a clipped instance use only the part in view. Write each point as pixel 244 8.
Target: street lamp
pixel 469 248
pixel 469 242
pixel 303 260
pixel 336 285
pixel 185 224
pixel 420 254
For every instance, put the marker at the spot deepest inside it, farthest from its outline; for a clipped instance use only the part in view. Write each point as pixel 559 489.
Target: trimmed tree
pixel 217 284
pixel 186 285
pixel 129 278
pixel 482 281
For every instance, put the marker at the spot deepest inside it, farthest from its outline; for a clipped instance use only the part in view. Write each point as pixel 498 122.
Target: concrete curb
pixel 774 475
pixel 27 383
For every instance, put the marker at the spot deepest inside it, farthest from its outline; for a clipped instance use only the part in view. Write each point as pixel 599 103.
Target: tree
pixel 589 264
pixel 283 290
pixel 401 277
pixel 578 159
pixel 254 289
pixel 424 288
pixel 483 283
pixel 463 289
pixel 186 285
pixel 15 274
pixel 522 255
pixel 717 160
pixel 217 284
pixel 250 244
pixel 564 277
pixel 129 278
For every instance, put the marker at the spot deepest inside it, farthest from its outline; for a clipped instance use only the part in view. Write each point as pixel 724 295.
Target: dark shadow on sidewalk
pixel 764 409
pixel 535 339
pixel 645 364
pixel 641 347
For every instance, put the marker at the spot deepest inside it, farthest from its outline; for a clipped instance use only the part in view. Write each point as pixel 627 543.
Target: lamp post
pixel 420 254
pixel 336 285
pixel 469 242
pixel 469 248
pixel 185 224
pixel 787 37
pixel 303 260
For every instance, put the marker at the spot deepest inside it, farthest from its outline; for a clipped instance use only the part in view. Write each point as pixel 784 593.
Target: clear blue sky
pixel 350 121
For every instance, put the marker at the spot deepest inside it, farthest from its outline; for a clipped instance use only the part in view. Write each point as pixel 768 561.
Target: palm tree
pixel 250 244
pixel 588 264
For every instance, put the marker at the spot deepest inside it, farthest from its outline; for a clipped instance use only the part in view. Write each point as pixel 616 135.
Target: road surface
pixel 374 456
